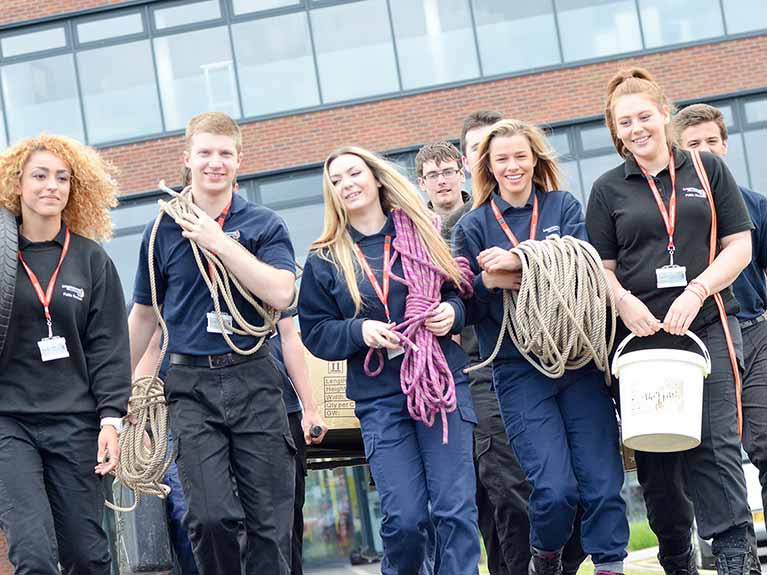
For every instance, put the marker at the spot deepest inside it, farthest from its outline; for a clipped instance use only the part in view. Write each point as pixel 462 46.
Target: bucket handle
pixel 689 334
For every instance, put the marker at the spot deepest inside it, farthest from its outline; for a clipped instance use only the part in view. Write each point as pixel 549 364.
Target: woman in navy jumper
pixel 343 314
pixel 563 431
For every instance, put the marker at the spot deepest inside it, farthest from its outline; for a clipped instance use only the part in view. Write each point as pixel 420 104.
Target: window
pixel 736 158
pixel 245 6
pixel 354 50
pixel 435 41
pixel 612 25
pixel 120 101
pixel 3 139
pixel 571 179
pixel 124 251
pixel 95 30
pixel 37 41
pixel 43 97
pixel 592 168
pixel 756 110
pixel 294 187
pixel 305 224
pixel 744 15
pixel 680 21
pixel 196 75
pixel 186 13
pixel 275 64
pixel 596 137
pixel 515 36
pixel 756 143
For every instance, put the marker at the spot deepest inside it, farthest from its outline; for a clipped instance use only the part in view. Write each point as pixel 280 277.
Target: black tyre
pixel 8 264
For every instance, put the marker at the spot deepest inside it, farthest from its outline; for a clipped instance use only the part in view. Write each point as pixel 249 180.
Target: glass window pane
pixel 96 30
pixel 435 41
pixel 3 139
pixel 756 143
pixel 595 137
pixel 305 225
pixel 295 187
pixel 134 213
pixel 120 101
pixel 729 116
pixel 571 180
pixel 196 75
pixel 354 50
pixel 560 142
pixel 680 21
pixel 744 15
pixel 736 158
pixel 124 252
pixel 756 111
pixel 275 64
pixel 186 14
pixel 33 42
pixel 42 96
pixel 245 6
pixel 592 168
pixel 613 27
pixel 515 35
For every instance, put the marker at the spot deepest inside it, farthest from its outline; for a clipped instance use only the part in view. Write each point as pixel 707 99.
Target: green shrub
pixel 641 536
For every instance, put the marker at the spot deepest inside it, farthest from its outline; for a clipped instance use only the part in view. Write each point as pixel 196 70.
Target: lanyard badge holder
pixel 51 347
pixel 671 275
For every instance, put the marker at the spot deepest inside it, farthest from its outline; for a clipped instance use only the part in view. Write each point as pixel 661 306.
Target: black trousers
pixel 297 539
pixel 50 498
pixel 707 479
pixel 231 422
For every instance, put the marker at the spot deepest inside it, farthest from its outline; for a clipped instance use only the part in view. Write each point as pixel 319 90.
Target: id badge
pixel 53 348
pixel 215 327
pixel 671 276
pixel 392 353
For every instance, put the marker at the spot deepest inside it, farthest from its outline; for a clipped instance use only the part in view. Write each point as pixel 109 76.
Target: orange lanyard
pixel 505 227
pixel 220 221
pixel 383 294
pixel 45 298
pixel 669 217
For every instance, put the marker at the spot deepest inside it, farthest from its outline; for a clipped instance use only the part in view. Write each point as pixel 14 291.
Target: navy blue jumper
pixel 419 479
pixel 563 431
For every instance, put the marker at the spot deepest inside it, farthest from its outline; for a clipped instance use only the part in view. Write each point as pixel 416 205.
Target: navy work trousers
pixel 565 435
pixel 419 481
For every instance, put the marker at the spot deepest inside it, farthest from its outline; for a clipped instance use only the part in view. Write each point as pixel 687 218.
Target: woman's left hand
pixel 682 313
pixel 441 320
pixel 109 450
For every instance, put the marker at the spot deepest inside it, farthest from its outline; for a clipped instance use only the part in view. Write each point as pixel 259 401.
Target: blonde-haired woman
pixel 349 303
pixel 563 431
pixel 65 366
pixel 647 213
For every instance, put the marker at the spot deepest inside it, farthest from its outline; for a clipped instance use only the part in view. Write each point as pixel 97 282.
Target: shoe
pixel 740 562
pixel 545 562
pixel 682 564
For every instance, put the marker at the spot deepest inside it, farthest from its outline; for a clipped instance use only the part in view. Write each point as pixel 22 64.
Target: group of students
pixel 384 290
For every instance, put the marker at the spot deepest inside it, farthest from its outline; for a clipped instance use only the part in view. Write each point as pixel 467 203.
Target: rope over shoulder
pixel 143 463
pixel 559 315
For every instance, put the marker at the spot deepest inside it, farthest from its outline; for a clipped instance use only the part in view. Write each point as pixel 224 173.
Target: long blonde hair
pixel 546 173
pixel 396 192
pixel 93 190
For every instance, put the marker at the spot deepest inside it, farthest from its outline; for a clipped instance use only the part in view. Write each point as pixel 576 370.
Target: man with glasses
pixel 440 174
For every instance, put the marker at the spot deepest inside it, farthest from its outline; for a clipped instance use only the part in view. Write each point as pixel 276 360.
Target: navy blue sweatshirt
pixel 750 289
pixel 331 329
pixel 559 213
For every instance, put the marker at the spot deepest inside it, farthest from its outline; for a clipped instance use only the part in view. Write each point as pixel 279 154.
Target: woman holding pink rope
pixel 379 284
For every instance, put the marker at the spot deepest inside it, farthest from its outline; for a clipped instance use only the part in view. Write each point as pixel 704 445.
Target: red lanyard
pixel 505 227
pixel 669 217
pixel 45 298
pixel 383 294
pixel 220 221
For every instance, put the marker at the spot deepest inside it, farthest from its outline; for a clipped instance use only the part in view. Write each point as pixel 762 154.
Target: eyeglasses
pixel 447 173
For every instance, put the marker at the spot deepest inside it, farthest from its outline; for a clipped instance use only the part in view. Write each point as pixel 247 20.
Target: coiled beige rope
pixel 559 318
pixel 143 463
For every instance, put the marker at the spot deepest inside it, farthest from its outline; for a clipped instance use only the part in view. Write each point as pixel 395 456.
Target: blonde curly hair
pixel 93 188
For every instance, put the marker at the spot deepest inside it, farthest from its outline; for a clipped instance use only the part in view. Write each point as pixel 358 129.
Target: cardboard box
pixel 329 388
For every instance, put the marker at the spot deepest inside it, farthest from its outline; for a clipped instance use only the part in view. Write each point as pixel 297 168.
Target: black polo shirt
pixel 88 310
pixel 181 289
pixel 625 224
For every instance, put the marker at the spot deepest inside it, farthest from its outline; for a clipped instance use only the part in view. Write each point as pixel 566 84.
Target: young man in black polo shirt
pixel 227 414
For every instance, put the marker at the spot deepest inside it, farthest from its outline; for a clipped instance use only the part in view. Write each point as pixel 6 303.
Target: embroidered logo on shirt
pixel 551 231
pixel 73 292
pixel 235 235
pixel 693 193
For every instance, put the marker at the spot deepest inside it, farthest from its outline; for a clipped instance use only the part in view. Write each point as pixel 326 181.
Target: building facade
pixel 306 76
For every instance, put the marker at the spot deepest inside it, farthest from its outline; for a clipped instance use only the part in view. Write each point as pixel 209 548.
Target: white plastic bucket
pixel 661 396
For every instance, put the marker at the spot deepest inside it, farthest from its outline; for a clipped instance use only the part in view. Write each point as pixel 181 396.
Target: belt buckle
pixel 216 361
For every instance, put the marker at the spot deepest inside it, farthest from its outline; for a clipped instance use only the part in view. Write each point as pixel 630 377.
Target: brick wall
pixel 561 95
pixel 22 10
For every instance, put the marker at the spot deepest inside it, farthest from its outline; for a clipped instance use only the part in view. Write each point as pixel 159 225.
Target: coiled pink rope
pixel 425 376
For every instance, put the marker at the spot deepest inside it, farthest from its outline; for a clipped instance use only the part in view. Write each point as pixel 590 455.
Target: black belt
pixel 750 322
pixel 213 361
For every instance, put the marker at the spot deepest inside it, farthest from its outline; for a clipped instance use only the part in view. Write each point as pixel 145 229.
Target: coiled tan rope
pixel 143 463
pixel 560 314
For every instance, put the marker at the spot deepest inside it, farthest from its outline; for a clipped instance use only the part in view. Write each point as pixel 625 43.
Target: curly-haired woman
pixel 65 366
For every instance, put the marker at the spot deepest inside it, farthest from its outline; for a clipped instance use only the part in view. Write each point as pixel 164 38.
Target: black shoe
pixel 737 562
pixel 683 564
pixel 545 562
